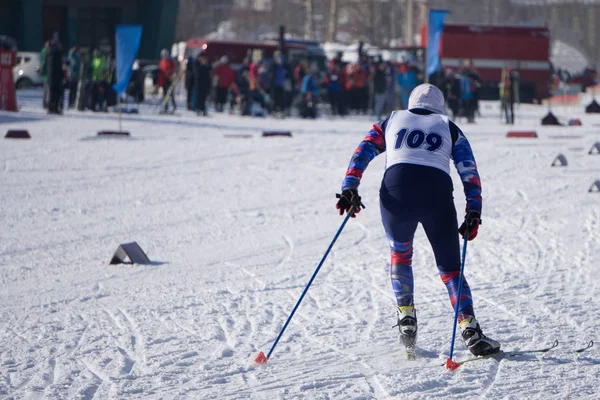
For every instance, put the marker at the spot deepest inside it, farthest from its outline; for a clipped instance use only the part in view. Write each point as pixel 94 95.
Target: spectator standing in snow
pixel 470 83
pixel 390 92
pixel 99 76
pixel 189 82
pixel 278 82
pixel 202 83
pixel 360 76
pixel 467 91
pixel 56 75
pixel 44 72
pixel 166 75
pixel 299 73
pixel 407 81
pixel 74 63
pixel 334 87
pixel 509 93
pixel 310 94
pixel 452 93
pixel 379 89
pixel 225 78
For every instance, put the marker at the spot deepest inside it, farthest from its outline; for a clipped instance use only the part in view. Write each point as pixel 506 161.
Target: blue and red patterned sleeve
pixel 372 145
pixel 464 161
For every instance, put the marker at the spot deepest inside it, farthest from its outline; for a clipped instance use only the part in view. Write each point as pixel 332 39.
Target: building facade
pixel 89 23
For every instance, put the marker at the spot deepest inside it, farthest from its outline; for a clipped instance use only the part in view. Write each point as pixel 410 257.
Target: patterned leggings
pixel 402 209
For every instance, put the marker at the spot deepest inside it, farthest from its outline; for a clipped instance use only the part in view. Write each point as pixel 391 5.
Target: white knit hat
pixel 428 97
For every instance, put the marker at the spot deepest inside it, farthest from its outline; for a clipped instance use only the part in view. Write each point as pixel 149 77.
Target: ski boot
pixel 475 340
pixel 407 324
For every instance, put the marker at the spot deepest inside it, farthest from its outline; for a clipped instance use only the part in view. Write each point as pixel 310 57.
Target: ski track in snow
pixel 236 228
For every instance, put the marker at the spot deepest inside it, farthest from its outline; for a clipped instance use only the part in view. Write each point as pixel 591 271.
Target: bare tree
pixel 333 15
pixel 309 30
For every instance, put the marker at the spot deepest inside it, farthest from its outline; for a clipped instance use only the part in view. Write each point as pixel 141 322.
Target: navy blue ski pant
pixel 409 195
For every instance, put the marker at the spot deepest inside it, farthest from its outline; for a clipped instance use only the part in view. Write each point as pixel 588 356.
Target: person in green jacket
pixel 98 81
pixel 44 72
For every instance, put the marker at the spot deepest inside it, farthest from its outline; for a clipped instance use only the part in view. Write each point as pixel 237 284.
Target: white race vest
pixel 418 139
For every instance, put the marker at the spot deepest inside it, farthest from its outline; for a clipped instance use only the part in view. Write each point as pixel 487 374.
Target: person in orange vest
pixel 358 88
pixel 166 74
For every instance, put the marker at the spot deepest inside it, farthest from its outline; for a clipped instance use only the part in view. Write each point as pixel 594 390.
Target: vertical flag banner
pixel 128 39
pixel 434 35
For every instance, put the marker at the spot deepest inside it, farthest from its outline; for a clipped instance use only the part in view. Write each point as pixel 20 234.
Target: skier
pixel 417 187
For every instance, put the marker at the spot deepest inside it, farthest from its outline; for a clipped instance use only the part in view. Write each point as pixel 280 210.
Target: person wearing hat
pixel 417 188
pixel 166 74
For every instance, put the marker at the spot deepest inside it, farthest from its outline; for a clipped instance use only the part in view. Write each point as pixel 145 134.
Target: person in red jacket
pixel 166 74
pixel 225 77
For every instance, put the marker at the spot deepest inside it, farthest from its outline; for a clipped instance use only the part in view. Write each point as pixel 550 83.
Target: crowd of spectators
pixel 87 77
pixel 269 86
pixel 276 86
pixel 461 90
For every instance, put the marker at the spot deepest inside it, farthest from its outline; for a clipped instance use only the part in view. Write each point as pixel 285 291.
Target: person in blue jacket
pixel 407 81
pixel 310 94
pixel 334 88
pixel 417 188
pixel 74 72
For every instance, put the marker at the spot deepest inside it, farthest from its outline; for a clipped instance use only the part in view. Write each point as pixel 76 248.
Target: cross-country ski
pixel 504 354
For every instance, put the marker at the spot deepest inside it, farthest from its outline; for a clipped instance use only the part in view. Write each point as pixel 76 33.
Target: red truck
pixel 237 50
pixel 492 48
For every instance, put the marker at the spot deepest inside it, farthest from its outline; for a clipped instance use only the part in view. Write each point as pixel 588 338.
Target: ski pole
pixel 261 358
pixel 451 365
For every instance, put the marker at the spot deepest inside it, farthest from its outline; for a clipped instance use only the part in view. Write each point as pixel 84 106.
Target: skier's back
pixel 417 188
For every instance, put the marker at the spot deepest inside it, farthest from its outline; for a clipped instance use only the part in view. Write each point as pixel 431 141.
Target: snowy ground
pixel 235 228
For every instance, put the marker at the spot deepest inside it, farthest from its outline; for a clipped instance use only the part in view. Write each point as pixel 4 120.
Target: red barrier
pixel 521 134
pixel 8 99
pixel 17 134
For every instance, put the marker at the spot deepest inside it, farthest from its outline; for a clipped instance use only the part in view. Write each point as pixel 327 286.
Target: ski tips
pixel 451 365
pixel 590 344
pixel 261 359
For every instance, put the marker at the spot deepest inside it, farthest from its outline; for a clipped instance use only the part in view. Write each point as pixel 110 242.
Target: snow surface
pixel 235 228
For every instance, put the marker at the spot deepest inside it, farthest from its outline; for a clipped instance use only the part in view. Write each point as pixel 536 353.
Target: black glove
pixel 470 225
pixel 349 199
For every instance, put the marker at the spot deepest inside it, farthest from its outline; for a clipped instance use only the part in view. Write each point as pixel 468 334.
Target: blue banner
pixel 434 35
pixel 128 42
